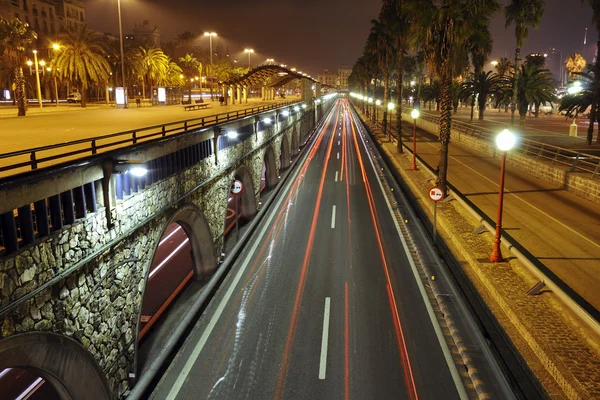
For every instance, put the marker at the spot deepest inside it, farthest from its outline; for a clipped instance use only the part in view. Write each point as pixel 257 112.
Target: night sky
pixel 312 35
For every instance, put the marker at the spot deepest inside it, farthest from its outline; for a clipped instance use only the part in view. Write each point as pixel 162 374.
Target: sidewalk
pixel 561 352
pixel 43 128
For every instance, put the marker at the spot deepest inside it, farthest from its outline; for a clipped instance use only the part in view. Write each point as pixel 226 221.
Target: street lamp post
pixel 249 51
pixel 126 105
pixel 210 36
pixel 504 141
pixel 390 107
pixel 414 114
pixel 377 103
pixel 37 78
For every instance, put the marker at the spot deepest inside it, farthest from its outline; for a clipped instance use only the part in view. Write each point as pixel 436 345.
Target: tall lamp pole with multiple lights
pixel 249 51
pixel 122 54
pixel 414 114
pixel 504 141
pixel 210 36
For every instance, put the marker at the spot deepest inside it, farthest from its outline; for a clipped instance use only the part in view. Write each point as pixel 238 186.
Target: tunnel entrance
pixel 18 383
pixel 171 270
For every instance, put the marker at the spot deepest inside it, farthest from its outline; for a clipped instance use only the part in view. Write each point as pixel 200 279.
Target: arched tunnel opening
pixel 20 383
pixel 170 273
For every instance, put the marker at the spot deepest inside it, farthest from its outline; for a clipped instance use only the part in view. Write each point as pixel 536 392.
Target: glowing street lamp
pixel 494 63
pixel 504 141
pixel 414 114
pixel 249 51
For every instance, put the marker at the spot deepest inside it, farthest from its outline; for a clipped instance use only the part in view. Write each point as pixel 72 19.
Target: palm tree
pixel 153 66
pixel 443 29
pixel 536 87
pixel 190 67
pixel 479 87
pixel 15 36
pixel 578 102
pixel 522 13
pixel 504 67
pixel 82 60
pixel 575 63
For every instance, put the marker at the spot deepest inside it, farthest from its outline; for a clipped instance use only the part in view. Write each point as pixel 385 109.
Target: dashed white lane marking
pixel 324 339
pixel 333 218
pixel 336 176
pixel 338 156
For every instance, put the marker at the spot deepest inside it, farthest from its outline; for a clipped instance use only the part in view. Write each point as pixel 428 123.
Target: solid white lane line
pixel 333 218
pixel 336 176
pixel 324 339
pixel 338 156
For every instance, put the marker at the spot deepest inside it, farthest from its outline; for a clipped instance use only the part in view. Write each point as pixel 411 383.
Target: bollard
pixel 573 129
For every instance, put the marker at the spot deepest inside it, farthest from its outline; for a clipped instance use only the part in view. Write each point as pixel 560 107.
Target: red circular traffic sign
pixel 237 187
pixel 436 194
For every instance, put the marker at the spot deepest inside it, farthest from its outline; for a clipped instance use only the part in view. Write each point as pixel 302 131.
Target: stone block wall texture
pixel 98 302
pixel 559 175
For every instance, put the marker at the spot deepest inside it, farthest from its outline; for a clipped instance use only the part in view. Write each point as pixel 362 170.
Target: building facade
pixel 46 17
pixel 343 74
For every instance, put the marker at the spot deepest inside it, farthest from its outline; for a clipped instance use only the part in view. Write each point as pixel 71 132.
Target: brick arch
pixel 272 176
pixel 285 158
pixel 248 199
pixel 61 361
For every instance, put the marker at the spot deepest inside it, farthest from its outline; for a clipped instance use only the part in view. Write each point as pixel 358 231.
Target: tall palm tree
pixel 575 63
pixel 536 87
pixel 82 60
pixel 190 67
pixel 15 36
pixel 522 13
pixel 385 55
pixel 443 28
pixel 153 66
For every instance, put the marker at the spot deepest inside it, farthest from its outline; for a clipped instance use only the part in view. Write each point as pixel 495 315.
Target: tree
pixel 443 29
pixel 536 60
pixel 522 13
pixel 15 36
pixel 577 102
pixel 575 63
pixel 480 87
pixel 82 61
pixel 190 67
pixel 504 67
pixel 153 66
pixel 536 87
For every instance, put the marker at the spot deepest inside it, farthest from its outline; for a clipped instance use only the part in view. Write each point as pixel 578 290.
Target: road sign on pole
pixel 435 194
pixel 237 187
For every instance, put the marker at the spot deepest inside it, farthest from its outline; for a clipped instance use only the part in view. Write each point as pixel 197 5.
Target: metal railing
pixel 575 161
pixel 34 157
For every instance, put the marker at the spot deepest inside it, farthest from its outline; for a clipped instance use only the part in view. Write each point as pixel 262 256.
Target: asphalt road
pixel 323 303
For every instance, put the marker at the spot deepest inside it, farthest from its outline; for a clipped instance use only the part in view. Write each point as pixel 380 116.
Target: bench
pixel 194 106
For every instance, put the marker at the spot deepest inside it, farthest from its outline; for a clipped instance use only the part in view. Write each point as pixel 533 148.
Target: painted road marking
pixel 333 218
pixel 325 338
pixel 336 176
pixel 338 142
pixel 338 155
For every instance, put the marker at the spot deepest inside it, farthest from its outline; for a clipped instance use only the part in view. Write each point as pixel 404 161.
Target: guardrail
pixel 32 158
pixel 574 160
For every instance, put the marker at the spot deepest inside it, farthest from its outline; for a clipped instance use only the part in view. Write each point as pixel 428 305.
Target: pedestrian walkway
pixel 556 226
pixel 74 123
